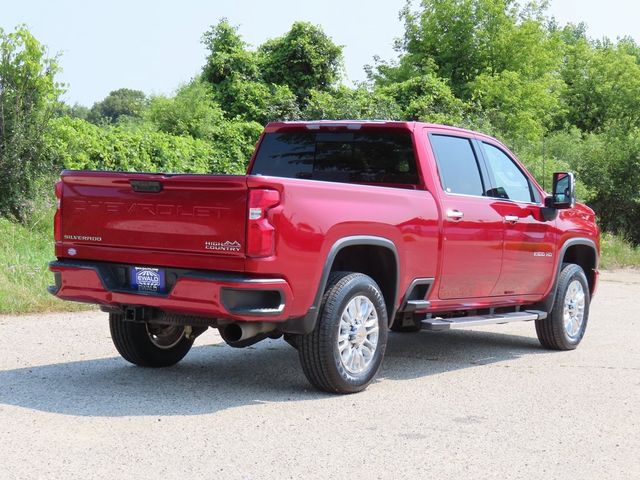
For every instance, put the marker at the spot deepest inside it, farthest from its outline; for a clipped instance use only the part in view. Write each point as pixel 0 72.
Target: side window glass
pixel 457 164
pixel 511 183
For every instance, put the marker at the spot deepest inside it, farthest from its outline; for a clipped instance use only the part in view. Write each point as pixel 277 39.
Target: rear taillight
pixel 261 235
pixel 57 219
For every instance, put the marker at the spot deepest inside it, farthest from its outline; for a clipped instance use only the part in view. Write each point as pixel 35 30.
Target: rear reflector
pixel 57 218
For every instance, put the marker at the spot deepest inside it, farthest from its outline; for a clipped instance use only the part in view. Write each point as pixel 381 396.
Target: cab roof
pixel 333 125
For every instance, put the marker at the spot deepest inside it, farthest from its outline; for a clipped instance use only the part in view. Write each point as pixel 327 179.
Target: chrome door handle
pixel 455 215
pixel 511 218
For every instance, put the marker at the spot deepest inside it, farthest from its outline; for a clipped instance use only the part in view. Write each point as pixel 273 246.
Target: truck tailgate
pixel 203 214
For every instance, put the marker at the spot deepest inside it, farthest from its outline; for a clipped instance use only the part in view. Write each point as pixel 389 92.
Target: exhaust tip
pixel 232 332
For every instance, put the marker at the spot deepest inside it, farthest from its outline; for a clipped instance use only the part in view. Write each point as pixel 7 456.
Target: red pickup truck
pixel 339 232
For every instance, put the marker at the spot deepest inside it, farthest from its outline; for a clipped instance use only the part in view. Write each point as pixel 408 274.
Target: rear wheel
pixel 566 324
pixel 148 344
pixel 345 350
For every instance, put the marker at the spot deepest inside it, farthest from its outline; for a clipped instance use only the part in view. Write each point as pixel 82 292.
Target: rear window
pixel 348 157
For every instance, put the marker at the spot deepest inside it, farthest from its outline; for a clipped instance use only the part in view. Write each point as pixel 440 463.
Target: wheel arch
pixel 374 256
pixel 583 254
pixel 580 251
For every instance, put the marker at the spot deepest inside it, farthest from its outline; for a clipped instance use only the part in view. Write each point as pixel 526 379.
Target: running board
pixel 413 305
pixel 440 324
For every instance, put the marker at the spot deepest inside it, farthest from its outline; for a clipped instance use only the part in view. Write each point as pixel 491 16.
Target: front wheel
pixel 345 350
pixel 147 344
pixel 564 328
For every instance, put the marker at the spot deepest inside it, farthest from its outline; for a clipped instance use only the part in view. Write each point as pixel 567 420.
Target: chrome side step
pixel 440 324
pixel 413 305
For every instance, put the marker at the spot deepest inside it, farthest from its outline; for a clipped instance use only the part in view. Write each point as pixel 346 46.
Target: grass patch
pixel 618 253
pixel 25 251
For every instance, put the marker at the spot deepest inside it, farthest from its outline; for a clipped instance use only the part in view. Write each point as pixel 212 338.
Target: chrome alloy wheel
pixel 574 302
pixel 165 336
pixel 358 335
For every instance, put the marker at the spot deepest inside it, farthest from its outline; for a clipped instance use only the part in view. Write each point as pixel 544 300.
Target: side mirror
pixel 564 191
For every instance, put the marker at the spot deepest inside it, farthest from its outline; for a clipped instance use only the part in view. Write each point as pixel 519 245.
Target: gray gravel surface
pixel 482 403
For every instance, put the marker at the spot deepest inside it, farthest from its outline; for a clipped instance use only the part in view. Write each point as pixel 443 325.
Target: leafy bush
pixel 77 144
pixel 347 103
pixel 617 252
pixel 28 95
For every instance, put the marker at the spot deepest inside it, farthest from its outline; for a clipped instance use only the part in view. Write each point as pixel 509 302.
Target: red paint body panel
pixel 314 215
pixel 472 248
pixel 193 295
pixel 529 250
pixel 192 213
pixel 199 222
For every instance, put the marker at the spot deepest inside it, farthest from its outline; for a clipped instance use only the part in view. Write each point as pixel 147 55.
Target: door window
pixel 457 164
pixel 510 182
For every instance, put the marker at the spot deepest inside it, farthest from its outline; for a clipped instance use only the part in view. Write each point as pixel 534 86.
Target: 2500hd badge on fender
pixel 338 232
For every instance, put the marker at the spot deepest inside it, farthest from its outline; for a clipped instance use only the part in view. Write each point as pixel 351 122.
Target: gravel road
pixel 482 403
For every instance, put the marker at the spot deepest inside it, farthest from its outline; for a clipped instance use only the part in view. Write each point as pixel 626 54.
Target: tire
pixel 572 299
pixel 342 327
pixel 148 345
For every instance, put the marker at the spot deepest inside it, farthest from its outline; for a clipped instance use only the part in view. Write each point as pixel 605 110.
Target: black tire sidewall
pixel 132 341
pixel 336 300
pixel 570 273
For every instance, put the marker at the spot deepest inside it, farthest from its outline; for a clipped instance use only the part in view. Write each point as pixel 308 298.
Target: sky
pixel 154 45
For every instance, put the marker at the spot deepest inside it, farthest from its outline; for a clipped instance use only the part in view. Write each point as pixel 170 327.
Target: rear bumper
pixel 213 294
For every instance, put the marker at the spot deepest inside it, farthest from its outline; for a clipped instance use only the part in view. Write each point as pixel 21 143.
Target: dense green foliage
pixel 27 100
pixel 77 144
pixel 312 60
pixel 119 103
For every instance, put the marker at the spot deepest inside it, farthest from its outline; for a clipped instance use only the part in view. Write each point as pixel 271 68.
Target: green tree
pixel 462 39
pixel 603 85
pixel 228 55
pixel 305 58
pixel 237 84
pixel 76 110
pixel 191 111
pixel 232 71
pixel 519 108
pixel 426 98
pixel 351 103
pixel 28 98
pixel 122 103
pixel 479 62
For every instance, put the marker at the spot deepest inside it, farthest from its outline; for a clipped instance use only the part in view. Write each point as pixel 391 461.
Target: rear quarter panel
pixel 314 215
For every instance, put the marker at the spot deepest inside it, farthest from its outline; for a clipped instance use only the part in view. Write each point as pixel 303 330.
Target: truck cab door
pixel 528 262
pixel 472 230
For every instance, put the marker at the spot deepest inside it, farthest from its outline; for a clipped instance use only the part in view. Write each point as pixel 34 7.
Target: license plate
pixel 145 279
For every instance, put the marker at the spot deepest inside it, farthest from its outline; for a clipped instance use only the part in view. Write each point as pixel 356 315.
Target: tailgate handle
pixel 146 186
